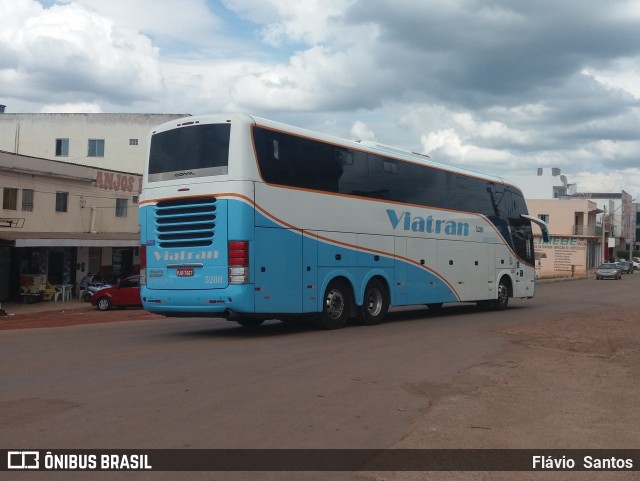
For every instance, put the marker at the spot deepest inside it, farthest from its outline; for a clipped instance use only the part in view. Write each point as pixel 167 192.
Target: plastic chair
pixel 58 293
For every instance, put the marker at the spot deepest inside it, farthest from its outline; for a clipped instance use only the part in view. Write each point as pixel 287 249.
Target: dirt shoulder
pixel 563 384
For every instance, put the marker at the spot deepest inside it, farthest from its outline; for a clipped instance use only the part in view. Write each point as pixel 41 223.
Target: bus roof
pixel 364 146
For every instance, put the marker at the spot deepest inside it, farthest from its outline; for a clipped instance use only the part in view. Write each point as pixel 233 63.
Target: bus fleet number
pixel 213 279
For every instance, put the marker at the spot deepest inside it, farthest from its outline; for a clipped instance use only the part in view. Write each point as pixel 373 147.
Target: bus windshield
pixel 192 151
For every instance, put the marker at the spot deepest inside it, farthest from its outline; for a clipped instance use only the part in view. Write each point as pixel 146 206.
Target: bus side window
pixel 270 149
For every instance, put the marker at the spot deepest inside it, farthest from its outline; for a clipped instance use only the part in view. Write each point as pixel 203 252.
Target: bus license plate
pixel 185 272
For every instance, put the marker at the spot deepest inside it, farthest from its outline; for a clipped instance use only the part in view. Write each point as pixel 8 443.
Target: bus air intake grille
pixel 185 222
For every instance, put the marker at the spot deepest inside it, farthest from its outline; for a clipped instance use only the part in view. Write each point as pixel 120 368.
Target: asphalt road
pixel 201 383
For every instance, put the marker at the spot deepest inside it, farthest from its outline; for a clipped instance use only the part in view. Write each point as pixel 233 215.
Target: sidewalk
pixel 63 314
pixel 20 308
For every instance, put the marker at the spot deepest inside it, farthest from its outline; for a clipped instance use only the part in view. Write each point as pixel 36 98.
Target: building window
pixel 62 147
pixel 121 207
pixel 544 217
pixel 10 198
pixel 96 148
pixel 133 141
pixel 136 199
pixel 27 200
pixel 62 199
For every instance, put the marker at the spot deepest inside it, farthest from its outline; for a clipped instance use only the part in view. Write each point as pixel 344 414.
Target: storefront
pixel 28 266
pixel 61 221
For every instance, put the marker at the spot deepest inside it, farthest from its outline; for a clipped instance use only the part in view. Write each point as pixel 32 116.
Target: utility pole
pixel 604 248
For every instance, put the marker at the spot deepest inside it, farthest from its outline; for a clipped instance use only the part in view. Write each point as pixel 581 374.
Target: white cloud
pixel 168 22
pixel 360 131
pixel 72 108
pixel 627 179
pixel 447 146
pixel 316 79
pixel 69 52
pixel 623 75
pixel 311 22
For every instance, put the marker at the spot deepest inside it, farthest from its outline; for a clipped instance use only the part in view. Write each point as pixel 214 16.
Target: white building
pixel 109 141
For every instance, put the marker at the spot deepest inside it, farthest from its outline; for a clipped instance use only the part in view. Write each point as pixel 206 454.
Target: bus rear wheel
pixel 375 304
pixel 336 305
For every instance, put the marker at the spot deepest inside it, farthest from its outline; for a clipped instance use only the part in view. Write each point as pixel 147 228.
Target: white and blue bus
pixel 250 219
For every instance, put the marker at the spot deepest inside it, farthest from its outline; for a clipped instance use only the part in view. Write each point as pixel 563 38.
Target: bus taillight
pixel 143 264
pixel 238 262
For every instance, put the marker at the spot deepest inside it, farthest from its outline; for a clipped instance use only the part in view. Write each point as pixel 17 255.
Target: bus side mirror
pixel 546 237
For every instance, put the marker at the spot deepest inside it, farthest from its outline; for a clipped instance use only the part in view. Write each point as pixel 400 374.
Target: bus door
pixel 468 267
pixel 423 285
pixel 310 274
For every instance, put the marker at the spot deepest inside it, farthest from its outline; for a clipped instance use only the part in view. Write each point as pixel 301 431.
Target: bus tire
pixel 375 303
pixel 336 305
pixel 504 292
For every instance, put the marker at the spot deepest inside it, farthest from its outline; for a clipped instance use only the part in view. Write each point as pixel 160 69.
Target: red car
pixel 125 293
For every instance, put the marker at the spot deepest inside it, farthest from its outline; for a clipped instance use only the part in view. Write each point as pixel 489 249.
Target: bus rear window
pixel 193 151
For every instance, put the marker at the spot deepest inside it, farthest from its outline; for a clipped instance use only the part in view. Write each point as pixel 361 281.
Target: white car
pixel 636 262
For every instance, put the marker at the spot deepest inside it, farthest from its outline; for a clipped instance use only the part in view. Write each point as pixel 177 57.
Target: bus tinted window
pixel 198 150
pixel 293 161
pixel 298 162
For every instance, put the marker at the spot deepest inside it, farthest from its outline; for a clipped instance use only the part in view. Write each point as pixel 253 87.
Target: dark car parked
pixel 125 293
pixel 626 267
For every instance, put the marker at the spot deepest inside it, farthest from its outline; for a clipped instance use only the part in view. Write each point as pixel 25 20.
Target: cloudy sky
pixel 497 86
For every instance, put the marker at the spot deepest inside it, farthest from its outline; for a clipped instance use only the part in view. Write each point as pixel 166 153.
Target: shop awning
pixel 69 239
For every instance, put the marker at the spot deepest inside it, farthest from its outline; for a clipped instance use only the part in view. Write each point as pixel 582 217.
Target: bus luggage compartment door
pixel 278 270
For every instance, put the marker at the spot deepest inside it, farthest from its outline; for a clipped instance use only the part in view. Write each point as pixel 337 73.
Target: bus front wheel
pixel 336 305
pixel 375 304
pixel 504 292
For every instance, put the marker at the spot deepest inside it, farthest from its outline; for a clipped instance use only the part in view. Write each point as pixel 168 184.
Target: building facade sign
pixel 563 256
pixel 118 182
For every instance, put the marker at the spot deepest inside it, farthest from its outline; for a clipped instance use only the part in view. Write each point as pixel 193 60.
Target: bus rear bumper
pixel 199 303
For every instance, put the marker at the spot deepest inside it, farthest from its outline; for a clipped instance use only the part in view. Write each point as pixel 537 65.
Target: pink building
pixel 576 244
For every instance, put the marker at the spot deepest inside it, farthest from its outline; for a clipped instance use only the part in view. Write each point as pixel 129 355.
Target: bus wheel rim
pixel 374 302
pixel 503 293
pixel 334 304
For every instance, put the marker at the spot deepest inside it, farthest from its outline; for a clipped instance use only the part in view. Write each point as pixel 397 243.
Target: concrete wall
pixel 91 205
pixel 35 135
